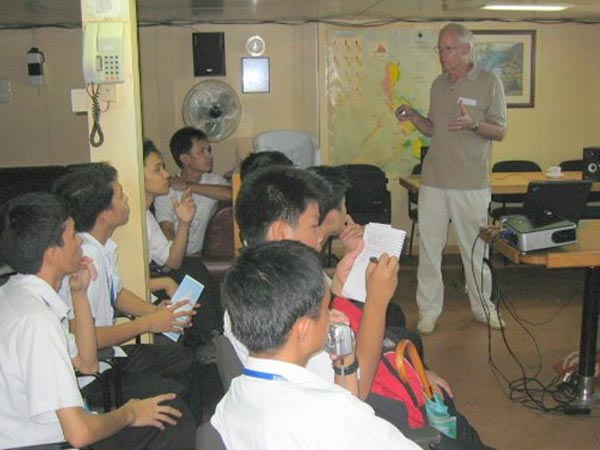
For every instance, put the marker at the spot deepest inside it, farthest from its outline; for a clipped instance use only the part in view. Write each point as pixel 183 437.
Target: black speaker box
pixel 591 163
pixel 209 54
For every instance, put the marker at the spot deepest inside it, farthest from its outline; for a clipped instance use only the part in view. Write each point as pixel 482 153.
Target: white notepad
pixel 379 238
pixel 189 289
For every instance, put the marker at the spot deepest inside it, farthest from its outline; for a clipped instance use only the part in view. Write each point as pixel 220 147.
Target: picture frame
pixel 511 55
pixel 256 75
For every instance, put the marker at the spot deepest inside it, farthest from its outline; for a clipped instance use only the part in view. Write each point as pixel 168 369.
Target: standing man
pixel 467 112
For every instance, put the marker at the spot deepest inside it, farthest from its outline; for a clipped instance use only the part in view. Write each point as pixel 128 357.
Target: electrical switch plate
pixel 5 91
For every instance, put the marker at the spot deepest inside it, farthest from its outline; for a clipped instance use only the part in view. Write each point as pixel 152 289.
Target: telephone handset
pixel 103 52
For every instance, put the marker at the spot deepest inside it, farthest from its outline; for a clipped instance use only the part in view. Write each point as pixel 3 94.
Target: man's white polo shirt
pixel 36 373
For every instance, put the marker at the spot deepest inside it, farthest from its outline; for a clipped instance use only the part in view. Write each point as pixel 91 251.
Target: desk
pixel 584 253
pixel 505 182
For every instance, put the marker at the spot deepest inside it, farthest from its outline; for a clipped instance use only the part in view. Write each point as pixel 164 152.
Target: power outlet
pixel 108 92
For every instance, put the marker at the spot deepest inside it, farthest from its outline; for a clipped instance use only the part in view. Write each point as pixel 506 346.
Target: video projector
pixel 528 235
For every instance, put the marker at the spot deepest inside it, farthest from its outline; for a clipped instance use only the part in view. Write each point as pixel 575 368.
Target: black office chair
pixel 413 210
pixel 228 363
pixel 592 211
pixel 511 203
pixel 368 199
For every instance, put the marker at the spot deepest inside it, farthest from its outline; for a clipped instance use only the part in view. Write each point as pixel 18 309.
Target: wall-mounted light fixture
pixel 255 46
pixel 540 7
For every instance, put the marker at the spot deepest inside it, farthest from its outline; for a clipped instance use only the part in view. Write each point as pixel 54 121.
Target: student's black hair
pixel 270 287
pixel 337 179
pixel 263 159
pixel 182 141
pixel 30 224
pixel 86 190
pixel 148 148
pixel 275 193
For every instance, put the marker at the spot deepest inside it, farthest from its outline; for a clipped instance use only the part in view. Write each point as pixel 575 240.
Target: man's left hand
pixel 464 121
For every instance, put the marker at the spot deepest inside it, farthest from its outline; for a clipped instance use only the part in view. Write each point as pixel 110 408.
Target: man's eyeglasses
pixel 444 48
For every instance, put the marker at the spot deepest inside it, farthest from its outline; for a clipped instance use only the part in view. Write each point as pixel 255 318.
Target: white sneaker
pixel 495 321
pixel 426 325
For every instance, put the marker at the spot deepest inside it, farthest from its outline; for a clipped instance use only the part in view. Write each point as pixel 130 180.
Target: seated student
pixel 41 402
pixel 98 205
pixel 168 257
pixel 279 203
pixel 191 151
pixel 336 222
pixel 279 306
pixel 262 159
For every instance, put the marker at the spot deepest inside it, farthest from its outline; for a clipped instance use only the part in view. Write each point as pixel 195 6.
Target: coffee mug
pixel 554 171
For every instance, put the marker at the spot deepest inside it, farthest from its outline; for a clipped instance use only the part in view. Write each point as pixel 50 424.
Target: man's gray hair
pixel 464 35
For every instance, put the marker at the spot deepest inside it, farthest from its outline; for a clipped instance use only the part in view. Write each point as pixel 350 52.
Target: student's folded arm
pixel 214 191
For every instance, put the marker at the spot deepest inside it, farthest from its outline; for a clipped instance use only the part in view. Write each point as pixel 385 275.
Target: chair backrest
pixel 368 199
pixel 218 241
pixel 572 165
pixel 413 197
pixel 299 146
pixel 208 438
pixel 228 362
pixel 516 166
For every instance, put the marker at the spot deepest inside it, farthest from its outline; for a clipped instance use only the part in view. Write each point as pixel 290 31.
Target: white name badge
pixel 467 101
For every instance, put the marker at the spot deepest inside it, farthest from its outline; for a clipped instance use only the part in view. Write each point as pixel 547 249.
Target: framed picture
pixel 255 75
pixel 511 55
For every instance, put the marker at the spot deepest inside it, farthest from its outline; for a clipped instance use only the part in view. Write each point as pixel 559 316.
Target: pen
pixel 373 259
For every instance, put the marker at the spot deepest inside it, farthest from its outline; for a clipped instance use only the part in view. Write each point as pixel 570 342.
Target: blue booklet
pixel 190 290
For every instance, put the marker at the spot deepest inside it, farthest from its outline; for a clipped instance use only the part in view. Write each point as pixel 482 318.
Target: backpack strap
pixel 388 365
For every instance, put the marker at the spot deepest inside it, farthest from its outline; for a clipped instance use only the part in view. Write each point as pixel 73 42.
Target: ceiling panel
pixel 20 13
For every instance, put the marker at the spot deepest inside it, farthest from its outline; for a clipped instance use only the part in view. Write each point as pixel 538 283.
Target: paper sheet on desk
pixel 379 238
pixel 189 289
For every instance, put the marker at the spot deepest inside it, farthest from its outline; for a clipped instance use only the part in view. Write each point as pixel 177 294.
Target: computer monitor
pixel 549 201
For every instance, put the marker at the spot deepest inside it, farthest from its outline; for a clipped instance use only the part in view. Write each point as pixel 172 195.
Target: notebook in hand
pixel 379 238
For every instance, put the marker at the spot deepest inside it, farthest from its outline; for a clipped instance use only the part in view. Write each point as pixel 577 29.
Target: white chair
pixel 300 147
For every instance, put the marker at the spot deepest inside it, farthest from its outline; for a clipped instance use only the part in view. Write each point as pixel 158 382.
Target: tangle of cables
pixel 559 395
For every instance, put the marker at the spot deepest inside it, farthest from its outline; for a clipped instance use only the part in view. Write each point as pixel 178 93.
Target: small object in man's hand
pixel 373 259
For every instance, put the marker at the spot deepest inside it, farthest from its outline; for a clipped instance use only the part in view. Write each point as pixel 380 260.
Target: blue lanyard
pixel 263 375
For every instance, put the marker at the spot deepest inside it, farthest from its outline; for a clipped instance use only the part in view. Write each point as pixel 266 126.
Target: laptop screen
pixel 556 200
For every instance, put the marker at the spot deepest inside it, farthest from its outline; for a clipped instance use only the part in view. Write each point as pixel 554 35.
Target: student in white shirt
pixel 98 205
pixel 192 152
pixel 41 400
pixel 279 306
pixel 168 252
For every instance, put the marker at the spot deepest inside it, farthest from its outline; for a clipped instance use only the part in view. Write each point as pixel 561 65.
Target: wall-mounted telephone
pixel 103 52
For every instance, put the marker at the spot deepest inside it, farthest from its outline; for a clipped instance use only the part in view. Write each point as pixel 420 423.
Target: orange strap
pixel 404 346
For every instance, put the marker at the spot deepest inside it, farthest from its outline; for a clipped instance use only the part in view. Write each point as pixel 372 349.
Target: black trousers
pixel 151 370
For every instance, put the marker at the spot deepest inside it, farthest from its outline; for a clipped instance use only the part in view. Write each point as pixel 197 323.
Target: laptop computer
pixel 548 202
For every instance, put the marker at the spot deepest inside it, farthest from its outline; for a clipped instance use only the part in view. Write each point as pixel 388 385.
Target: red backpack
pixel 387 383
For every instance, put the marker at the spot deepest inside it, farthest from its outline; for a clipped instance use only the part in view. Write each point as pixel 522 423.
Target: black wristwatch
pixel 347 370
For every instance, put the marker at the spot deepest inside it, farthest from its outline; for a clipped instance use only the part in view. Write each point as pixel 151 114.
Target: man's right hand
pixel 165 319
pixel 403 113
pixel 151 413
pixel 382 279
